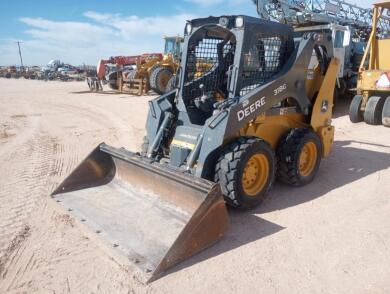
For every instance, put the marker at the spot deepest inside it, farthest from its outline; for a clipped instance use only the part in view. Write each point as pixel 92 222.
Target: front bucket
pixel 151 215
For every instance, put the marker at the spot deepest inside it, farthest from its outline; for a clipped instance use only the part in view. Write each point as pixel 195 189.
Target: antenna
pixel 20 54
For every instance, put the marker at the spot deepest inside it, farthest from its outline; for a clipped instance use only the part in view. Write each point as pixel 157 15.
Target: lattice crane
pixel 311 12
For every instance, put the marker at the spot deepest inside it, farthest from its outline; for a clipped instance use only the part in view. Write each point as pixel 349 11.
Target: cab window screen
pixel 207 64
pixel 263 60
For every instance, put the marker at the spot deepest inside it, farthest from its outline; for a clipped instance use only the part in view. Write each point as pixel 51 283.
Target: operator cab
pixel 221 62
pixel 210 56
pixel 174 46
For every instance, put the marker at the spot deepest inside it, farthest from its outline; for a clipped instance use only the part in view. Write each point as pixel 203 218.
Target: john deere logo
pixel 241 114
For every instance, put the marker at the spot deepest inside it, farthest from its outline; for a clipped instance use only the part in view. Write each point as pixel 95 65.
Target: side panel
pixel 367 80
pixel 272 128
pixel 157 108
pixel 322 108
pixel 383 55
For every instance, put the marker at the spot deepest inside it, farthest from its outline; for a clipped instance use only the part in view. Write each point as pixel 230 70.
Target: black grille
pixel 263 60
pixel 208 63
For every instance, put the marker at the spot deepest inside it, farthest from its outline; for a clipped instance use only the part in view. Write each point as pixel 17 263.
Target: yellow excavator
pixel 255 113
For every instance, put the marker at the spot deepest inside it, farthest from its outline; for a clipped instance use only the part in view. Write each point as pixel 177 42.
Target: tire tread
pixel 355 115
pixel 287 155
pixel 386 113
pixel 153 80
pixel 227 168
pixel 373 111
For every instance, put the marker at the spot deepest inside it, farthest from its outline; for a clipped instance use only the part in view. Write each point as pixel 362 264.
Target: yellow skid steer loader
pixel 255 113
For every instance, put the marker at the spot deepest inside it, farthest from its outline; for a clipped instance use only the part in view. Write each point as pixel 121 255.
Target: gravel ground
pixel 332 236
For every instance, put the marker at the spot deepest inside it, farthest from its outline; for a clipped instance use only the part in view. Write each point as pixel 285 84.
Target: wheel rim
pixel 307 159
pixel 255 174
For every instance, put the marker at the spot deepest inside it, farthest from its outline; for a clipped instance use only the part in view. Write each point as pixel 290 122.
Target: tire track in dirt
pixel 24 185
pixel 16 204
pixel 51 271
pixel 110 126
pixel 30 266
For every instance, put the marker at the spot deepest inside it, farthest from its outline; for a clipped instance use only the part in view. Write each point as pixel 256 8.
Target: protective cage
pixel 263 60
pixel 210 57
pixel 208 62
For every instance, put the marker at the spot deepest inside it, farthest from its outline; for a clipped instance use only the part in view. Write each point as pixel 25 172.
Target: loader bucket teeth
pixel 150 216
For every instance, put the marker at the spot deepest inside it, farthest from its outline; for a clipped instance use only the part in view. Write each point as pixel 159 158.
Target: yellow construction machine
pixel 139 74
pixel 256 112
pixel 162 75
pixel 372 102
pixel 126 74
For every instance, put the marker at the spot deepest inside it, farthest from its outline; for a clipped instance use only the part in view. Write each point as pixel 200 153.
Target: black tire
pixel 355 114
pixel 159 79
pixel 230 167
pixel 112 81
pixel 171 83
pixel 373 111
pixel 386 113
pixel 152 79
pixel 288 156
pixel 152 68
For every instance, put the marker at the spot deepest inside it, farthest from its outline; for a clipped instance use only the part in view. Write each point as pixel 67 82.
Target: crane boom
pixel 308 12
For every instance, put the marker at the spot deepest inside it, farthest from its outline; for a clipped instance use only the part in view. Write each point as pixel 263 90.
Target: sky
pixel 84 31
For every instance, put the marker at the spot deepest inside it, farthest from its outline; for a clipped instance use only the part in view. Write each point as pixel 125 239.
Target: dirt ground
pixel 332 236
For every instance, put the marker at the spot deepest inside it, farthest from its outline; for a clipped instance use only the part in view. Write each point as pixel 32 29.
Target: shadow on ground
pixel 103 93
pixel 346 165
pixel 113 92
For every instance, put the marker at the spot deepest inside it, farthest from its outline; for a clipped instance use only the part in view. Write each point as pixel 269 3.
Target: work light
pixel 239 22
pixel 188 28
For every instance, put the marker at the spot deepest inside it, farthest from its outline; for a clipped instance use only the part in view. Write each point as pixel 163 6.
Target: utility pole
pixel 20 54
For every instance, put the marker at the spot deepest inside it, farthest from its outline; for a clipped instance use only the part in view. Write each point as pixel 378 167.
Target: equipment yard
pixel 330 236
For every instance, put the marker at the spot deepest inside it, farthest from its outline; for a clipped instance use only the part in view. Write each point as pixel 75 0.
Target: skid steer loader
pixel 221 137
